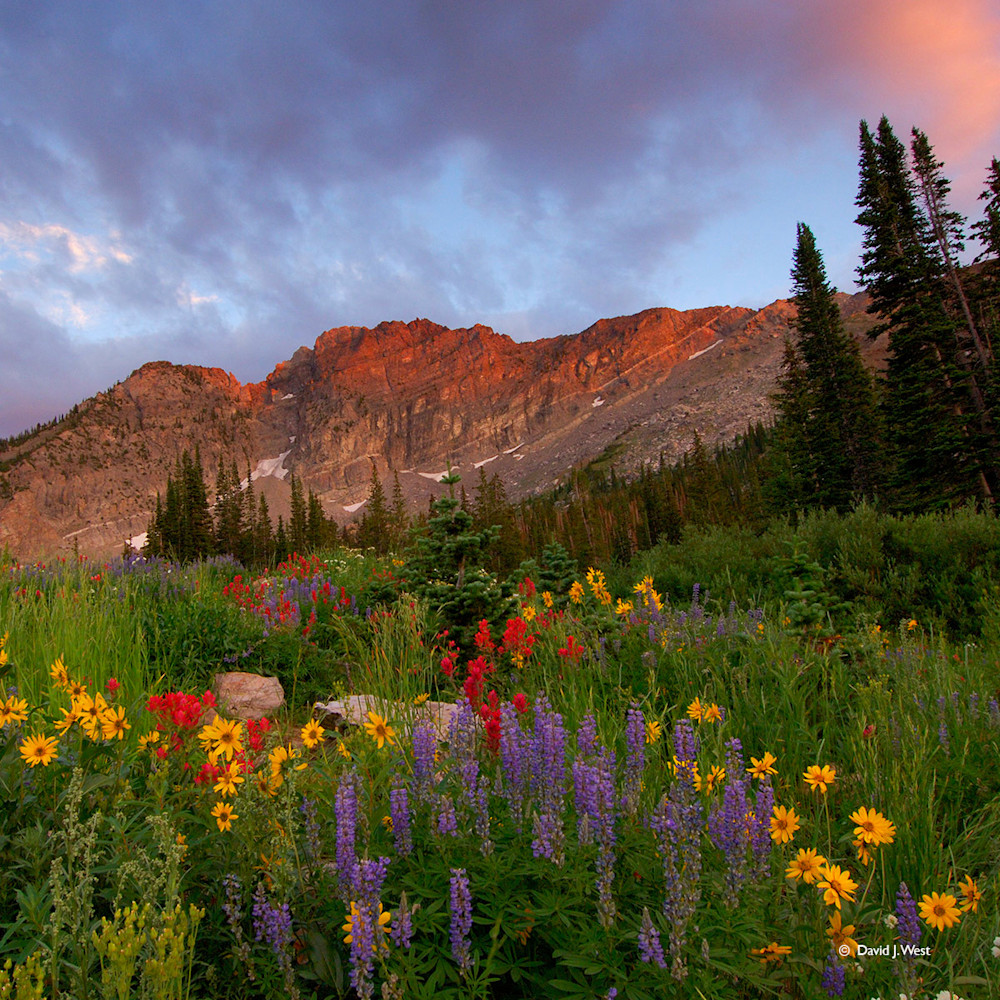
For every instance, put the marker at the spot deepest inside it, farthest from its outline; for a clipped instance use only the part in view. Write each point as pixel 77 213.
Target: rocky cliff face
pixel 408 397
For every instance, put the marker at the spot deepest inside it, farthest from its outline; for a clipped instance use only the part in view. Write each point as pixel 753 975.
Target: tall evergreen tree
pixel 840 413
pixel 374 530
pixel 935 441
pixel 298 518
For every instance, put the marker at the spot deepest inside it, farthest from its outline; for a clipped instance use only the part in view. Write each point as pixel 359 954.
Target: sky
pixel 217 183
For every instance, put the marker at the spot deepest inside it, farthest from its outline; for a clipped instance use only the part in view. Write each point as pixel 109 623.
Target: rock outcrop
pixel 403 397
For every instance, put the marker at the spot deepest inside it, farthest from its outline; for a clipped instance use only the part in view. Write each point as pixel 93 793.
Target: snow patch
pixel 435 476
pixel 288 395
pixel 519 457
pixel 510 451
pixel 598 402
pixel 479 465
pixel 351 508
pixel 698 354
pixel 137 541
pixel 270 467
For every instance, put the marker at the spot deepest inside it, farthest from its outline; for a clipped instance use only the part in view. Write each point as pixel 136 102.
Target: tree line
pixel 920 435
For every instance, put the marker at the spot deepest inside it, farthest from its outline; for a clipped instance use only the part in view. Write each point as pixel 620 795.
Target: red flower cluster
pixel 181 710
pixel 255 733
pixel 572 650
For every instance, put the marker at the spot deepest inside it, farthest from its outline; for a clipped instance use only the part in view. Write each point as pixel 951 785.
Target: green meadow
pixel 748 764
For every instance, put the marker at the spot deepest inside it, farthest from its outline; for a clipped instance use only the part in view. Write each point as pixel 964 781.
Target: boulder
pixel 247 696
pixel 353 711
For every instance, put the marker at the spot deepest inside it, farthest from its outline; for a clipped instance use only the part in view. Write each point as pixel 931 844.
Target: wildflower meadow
pixel 638 791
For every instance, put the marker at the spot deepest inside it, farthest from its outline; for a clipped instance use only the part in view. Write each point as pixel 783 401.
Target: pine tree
pixel 398 519
pixel 837 421
pixel 935 441
pixel 374 530
pixel 297 518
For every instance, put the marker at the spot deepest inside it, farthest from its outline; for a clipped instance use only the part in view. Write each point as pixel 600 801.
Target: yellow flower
pixel 694 710
pixel 872 827
pixel 279 755
pixel 268 784
pixel 653 731
pixel 39 749
pixel 712 713
pixel 421 698
pixel 90 710
pixel 971 893
pixel 547 598
pixel 911 624
pixel 784 823
pixel 14 710
pixel 146 741
pixel 379 730
pixel 576 592
pixel 773 952
pixel 225 734
pixel 380 928
pixel 58 673
pixel 69 717
pixel 312 733
pixel 623 607
pixel 819 778
pixel 114 724
pixel 939 912
pixel 224 815
pixel 764 766
pixel 806 865
pixel 229 778
pixel 528 613
pixel 342 750
pixel 836 885
pixel 75 689
pixel 864 855
pixel 841 935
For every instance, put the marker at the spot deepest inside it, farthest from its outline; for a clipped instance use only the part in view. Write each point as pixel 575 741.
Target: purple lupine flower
pixel 308 810
pixel 635 757
pixel 910 930
pixel 548 779
pixel 346 813
pixel 677 823
pixel 461 919
pixel 232 907
pixel 366 931
pixel 447 823
pixel 734 757
pixel 727 826
pixel 399 811
pixel 993 710
pixel 834 976
pixel 944 739
pixel 974 704
pixel 462 746
pixel 761 843
pixel 685 747
pixel 424 746
pixel 481 822
pixel 402 926
pixel 650 949
pixel 271 923
pixel 515 761
pixel 586 736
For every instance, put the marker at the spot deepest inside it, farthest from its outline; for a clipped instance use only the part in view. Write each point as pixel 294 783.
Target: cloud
pixel 217 183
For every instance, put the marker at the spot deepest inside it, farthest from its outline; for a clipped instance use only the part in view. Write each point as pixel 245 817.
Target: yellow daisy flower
pixel 836 885
pixel 224 815
pixel 763 767
pixel 380 730
pixel 39 749
pixel 819 778
pixel 784 823
pixel 806 865
pixel 939 911
pixel 312 733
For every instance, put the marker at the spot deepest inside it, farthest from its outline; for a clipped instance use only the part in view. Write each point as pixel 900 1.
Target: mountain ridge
pixel 408 398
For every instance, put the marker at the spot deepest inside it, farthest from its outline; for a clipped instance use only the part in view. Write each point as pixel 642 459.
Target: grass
pixel 908 720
